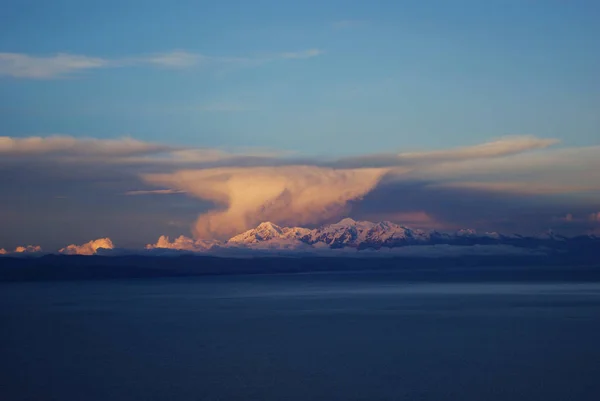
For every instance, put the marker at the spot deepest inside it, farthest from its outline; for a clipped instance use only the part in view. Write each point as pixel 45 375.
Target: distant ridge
pixel 349 233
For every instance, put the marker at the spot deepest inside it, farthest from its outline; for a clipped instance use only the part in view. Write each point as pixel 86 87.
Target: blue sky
pixel 435 114
pixel 397 75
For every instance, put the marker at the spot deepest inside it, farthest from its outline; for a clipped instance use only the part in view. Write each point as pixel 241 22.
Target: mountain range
pixel 360 235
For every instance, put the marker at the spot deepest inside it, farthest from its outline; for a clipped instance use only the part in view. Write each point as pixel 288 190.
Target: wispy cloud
pixel 501 147
pixel 511 145
pixel 19 65
pixel 175 59
pixel 61 145
pixel 24 66
pixel 155 192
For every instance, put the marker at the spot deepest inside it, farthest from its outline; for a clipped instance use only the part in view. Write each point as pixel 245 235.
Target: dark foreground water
pixel 305 337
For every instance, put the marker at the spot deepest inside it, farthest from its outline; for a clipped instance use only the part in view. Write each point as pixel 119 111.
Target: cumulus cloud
pixel 90 248
pixel 292 195
pixel 182 243
pixel 595 217
pixel 19 65
pixel 3 251
pixel 28 249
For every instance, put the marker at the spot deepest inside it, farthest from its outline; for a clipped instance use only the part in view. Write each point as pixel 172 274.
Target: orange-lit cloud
pixel 420 189
pixel 28 249
pixel 89 248
pixel 291 195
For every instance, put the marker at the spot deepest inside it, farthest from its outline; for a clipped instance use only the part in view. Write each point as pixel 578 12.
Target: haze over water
pixel 358 336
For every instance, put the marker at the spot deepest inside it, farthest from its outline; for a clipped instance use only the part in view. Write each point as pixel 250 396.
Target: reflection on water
pixel 299 337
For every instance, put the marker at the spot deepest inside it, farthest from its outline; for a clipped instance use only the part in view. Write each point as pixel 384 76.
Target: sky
pixel 430 113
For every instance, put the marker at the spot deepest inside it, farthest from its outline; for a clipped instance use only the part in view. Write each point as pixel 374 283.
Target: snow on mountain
pixel 349 233
pixel 362 234
pixel 466 232
pixel 183 243
pixel 271 236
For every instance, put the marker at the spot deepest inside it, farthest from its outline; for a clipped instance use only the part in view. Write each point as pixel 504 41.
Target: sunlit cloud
pixel 28 249
pixel 90 248
pixel 482 186
pixel 287 195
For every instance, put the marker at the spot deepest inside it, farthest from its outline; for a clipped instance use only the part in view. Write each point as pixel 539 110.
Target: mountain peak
pixel 348 221
pixel 267 225
pixel 269 232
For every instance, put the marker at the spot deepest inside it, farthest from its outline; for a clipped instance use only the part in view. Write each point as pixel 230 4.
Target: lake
pixel 354 336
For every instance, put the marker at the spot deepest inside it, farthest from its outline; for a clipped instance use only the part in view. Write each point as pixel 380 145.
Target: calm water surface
pixel 302 337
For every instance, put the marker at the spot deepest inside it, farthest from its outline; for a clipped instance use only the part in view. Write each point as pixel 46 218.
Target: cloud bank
pixel 506 185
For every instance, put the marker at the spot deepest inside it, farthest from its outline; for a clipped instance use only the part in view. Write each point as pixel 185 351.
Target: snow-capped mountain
pixel 269 235
pixel 359 235
pixel 365 234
